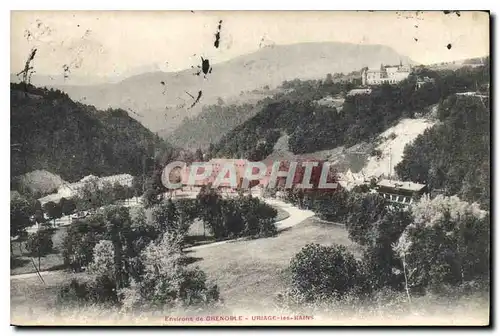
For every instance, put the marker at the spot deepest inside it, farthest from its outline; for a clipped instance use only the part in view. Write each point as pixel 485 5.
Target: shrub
pixel 103 259
pixel 39 243
pixel 258 217
pixel 80 239
pixel 333 206
pixel 324 271
pixel 166 282
pixel 365 210
pixel 99 289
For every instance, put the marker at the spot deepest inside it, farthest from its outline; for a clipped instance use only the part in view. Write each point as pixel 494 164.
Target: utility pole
pixel 390 163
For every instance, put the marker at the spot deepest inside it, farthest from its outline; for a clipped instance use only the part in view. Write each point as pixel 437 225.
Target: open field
pixel 249 273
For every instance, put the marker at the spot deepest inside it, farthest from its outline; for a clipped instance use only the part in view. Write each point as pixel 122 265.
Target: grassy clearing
pixel 249 273
pixel 22 263
pixel 282 214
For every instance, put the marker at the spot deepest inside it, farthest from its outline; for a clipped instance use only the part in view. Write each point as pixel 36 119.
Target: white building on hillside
pixel 387 74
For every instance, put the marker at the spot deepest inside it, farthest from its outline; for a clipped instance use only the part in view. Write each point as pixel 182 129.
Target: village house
pixel 400 192
pixel 355 92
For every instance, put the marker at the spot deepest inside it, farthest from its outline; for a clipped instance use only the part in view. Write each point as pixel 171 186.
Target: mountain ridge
pixel 161 100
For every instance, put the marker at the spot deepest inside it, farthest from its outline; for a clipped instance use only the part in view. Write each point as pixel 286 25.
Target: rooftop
pixel 411 186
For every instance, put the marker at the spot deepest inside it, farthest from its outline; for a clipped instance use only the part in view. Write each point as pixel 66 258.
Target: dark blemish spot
pixel 197 99
pixel 448 46
pixel 416 39
pixel 446 12
pixel 416 26
pixel 28 69
pixel 162 83
pixel 192 12
pixel 78 26
pixel 28 35
pixel 205 67
pixel 217 35
pixel 66 71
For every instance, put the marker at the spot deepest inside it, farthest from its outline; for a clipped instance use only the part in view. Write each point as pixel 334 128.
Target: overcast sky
pixel 108 44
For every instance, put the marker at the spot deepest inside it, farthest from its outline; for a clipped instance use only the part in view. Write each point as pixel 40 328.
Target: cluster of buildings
pixel 68 190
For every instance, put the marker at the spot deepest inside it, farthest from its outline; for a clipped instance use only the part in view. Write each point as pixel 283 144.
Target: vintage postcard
pixel 250 168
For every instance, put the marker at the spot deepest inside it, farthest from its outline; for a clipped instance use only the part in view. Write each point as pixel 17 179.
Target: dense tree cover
pixel 135 260
pixel 237 217
pixel 312 126
pixel 281 113
pixel 455 154
pixel 49 131
pixel 434 245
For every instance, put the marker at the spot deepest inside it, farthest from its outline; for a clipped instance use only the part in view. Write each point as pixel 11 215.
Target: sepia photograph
pixel 250 168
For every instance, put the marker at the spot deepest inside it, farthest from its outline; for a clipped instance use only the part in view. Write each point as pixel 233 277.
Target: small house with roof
pixel 400 192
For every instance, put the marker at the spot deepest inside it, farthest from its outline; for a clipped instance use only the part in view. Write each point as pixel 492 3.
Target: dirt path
pixel 30 275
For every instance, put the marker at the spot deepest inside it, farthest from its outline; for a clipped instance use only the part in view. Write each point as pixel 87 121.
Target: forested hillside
pixel 455 154
pixel 312 126
pixel 211 124
pixel 50 131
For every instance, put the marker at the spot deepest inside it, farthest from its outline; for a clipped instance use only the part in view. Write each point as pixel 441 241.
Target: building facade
pixel 387 74
pixel 399 191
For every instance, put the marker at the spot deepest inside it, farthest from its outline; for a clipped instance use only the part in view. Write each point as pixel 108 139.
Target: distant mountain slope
pixel 159 106
pixel 216 120
pixel 51 132
pixel 312 127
